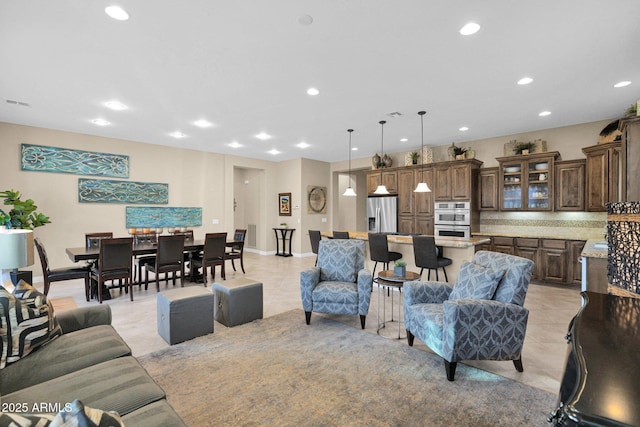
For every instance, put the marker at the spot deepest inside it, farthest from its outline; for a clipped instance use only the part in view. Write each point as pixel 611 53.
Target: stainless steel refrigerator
pixel 382 214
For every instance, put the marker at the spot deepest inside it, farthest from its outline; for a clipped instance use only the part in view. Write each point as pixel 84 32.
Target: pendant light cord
pixel 422 113
pixel 349 130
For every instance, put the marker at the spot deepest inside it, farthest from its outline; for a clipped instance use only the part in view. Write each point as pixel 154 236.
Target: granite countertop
pixel 539 234
pixel 451 242
pixel 594 249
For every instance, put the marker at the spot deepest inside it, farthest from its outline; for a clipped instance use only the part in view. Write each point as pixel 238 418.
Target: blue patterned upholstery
pixel 469 328
pixel 339 284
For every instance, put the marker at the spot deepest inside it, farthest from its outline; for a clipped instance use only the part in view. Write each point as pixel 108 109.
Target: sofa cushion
pixel 476 282
pixel 121 385
pixel 68 353
pixel 27 321
pixel 337 262
pixel 77 414
pixel 20 419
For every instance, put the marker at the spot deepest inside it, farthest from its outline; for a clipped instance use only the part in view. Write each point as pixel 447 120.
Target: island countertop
pixel 595 249
pixel 450 242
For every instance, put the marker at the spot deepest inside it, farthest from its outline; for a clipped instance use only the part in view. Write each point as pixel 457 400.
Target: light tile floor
pixel 551 310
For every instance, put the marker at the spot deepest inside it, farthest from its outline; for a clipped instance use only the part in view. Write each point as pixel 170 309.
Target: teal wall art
pixel 157 217
pixel 92 190
pixel 41 158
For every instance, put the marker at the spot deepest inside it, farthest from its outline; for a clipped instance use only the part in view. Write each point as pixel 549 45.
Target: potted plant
pixel 524 147
pixel 22 213
pixel 414 157
pixel 458 152
pixel 400 268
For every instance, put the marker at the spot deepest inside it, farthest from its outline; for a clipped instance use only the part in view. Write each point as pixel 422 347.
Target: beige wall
pixel 314 173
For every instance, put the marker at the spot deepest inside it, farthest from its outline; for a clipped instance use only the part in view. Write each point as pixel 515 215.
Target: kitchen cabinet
pixel 603 168
pixel 388 178
pixel 528 248
pixel 405 192
pixel 488 189
pixel 526 182
pixel 630 162
pixel 553 261
pixel 503 245
pixel 454 180
pixel 575 261
pixel 569 182
pixel 424 225
pixel 415 210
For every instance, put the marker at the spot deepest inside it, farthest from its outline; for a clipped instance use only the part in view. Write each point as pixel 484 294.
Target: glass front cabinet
pixel 526 182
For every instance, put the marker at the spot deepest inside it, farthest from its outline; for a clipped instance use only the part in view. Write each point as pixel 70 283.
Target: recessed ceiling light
pixel 100 122
pixel 177 134
pixel 470 28
pixel 303 145
pixel 312 91
pixel 235 144
pixel 305 19
pixel 463 129
pixel 354 149
pixel 622 84
pixel 544 113
pixel 202 123
pixel 115 105
pixel 525 81
pixel 273 152
pixel 116 12
pixel 404 139
pixel 263 136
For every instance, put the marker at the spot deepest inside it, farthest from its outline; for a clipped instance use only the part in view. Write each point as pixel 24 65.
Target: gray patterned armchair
pixel 339 284
pixel 480 317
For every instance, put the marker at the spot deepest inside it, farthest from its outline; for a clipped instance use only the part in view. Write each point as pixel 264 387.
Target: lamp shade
pixel 349 192
pixel 422 188
pixel 381 190
pixel 16 249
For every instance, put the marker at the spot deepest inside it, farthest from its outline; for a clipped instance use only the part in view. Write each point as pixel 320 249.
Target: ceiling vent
pixel 395 114
pixel 20 103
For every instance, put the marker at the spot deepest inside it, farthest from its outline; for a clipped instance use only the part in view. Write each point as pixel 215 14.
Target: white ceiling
pixel 245 65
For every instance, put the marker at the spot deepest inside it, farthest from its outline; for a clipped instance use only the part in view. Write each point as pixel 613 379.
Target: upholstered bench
pixel 238 301
pixel 185 313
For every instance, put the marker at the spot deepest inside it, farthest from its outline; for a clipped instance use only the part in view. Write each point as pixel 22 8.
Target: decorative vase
pixel 470 154
pixel 386 160
pixel 400 271
pixel 525 151
pixel 375 161
pixel 451 151
pixel 459 156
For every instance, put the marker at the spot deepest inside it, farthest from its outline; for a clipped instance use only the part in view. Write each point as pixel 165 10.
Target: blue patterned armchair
pixel 480 317
pixel 339 284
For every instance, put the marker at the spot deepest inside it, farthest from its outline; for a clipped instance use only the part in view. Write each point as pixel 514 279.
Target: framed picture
pixel 284 204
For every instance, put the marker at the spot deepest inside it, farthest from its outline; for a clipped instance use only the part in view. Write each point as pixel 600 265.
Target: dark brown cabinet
pixel 602 175
pixel 630 153
pixel 415 210
pixel 454 180
pixel 569 181
pixel 503 245
pixel 575 261
pixel 553 261
pixel 526 182
pixel 405 192
pixel 388 178
pixel 488 189
pixel 528 248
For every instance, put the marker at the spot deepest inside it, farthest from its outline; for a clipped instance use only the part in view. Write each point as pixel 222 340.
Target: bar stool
pixel 379 251
pixel 426 256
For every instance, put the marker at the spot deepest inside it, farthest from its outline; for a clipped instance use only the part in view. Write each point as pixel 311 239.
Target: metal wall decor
pixel 41 158
pixel 316 199
pixel 623 230
pixel 113 191
pixel 158 217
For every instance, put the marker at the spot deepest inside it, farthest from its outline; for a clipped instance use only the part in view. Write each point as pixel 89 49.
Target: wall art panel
pixel 41 158
pixel 114 191
pixel 155 217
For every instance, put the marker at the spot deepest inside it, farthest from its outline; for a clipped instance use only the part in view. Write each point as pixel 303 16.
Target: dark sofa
pixel 89 362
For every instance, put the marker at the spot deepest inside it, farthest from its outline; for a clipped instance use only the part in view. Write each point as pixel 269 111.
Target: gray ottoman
pixel 238 301
pixel 185 313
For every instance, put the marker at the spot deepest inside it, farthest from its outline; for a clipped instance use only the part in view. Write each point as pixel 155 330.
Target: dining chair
pixel 427 255
pixel 168 259
pixel 140 261
pixel 60 274
pixel 92 241
pixel 213 254
pixel 314 237
pixel 379 251
pixel 340 234
pixel 236 250
pixel 115 261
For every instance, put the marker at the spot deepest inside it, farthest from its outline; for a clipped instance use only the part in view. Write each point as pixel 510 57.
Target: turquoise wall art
pixel 92 190
pixel 157 217
pixel 41 158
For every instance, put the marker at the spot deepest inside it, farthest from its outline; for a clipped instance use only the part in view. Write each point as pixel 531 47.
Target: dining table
pixel 82 253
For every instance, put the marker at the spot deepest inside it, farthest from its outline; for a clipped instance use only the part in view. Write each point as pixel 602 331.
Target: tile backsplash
pixel 562 225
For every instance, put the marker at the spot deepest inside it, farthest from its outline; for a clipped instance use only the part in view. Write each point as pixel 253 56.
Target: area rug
pixel 279 372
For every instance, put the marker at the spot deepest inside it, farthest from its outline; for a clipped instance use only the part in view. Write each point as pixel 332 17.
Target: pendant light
pixel 381 188
pixel 349 191
pixel 422 186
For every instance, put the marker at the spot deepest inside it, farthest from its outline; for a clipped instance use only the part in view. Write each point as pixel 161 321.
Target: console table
pixel 286 234
pixel 601 382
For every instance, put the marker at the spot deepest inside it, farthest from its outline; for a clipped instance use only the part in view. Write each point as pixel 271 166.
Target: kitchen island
pixel 459 249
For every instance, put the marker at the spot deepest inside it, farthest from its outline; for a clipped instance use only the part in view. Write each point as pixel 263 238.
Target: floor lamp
pixel 16 250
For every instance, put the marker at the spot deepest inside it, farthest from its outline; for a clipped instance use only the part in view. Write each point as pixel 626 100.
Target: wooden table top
pixel 389 278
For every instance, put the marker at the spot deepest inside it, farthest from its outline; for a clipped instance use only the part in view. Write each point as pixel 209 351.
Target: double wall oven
pixel 452 219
